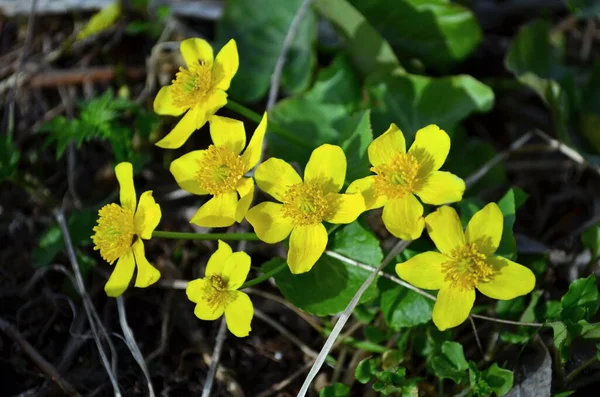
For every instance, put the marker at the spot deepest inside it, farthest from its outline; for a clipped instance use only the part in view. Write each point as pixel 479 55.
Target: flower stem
pixel 263 277
pixel 252 115
pixel 205 236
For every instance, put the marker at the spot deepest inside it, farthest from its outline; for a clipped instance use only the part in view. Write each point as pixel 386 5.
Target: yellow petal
pixel 327 167
pixel 216 262
pixel 229 133
pixel 124 172
pixel 251 155
pixel 307 244
pixel 430 148
pixel 147 215
pixel 510 280
pixel 403 217
pixel 121 276
pixel 445 229
pixel 182 131
pixel 163 103
pixel 345 208
pixel 440 188
pixel 226 65
pixel 365 187
pixel 196 288
pixel 239 313
pixel 423 270
pixel 235 269
pixel 196 50
pixel 208 311
pixel 146 273
pixel 275 176
pixel 219 211
pixel 383 148
pixel 485 229
pixel 185 170
pixel 194 119
pixel 269 224
pixel 452 306
pixel 245 189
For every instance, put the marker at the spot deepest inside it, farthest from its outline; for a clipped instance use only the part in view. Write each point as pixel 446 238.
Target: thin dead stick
pixel 44 366
pixel 345 316
pixel 567 151
pixel 287 43
pixel 132 344
pixel 286 333
pixel 11 102
pixel 89 307
pixel 476 336
pixel 284 383
pixel 53 78
pixel 484 169
pixel 214 361
pixel 499 320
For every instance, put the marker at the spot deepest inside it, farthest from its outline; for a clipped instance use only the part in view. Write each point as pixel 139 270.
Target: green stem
pixel 252 115
pixel 263 277
pixel 206 236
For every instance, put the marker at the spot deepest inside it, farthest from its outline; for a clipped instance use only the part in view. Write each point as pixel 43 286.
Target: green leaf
pixel 509 204
pixel 51 242
pixel 9 157
pixel 536 58
pixel 369 52
pixel 438 32
pixel 500 380
pixel 402 307
pixel 330 285
pixel 413 102
pixel 559 330
pixel 335 390
pixel 355 140
pixel 365 370
pixel 584 8
pixel 317 116
pixel 564 394
pixel 357 242
pixel 510 309
pixel 591 239
pixel 451 363
pixel 259 29
pixel 581 300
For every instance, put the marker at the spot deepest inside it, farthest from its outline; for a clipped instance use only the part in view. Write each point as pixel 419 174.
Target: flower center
pixel 398 177
pixel 467 267
pixel 192 85
pixel 115 232
pixel 220 170
pixel 216 293
pixel 305 203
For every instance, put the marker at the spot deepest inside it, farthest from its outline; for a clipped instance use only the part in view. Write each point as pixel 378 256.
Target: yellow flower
pixel 306 204
pixel 466 262
pixel 120 231
pixel 219 171
pixel 199 89
pixel 217 292
pixel 401 175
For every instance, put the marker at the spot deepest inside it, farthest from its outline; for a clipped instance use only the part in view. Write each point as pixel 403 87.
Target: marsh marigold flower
pixel 305 204
pixel 119 233
pixel 217 292
pixel 198 90
pixel 219 171
pixel 466 262
pixel 400 175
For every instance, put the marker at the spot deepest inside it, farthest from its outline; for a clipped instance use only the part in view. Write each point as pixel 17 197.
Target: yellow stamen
pixel 467 267
pixel 397 178
pixel 305 203
pixel 115 232
pixel 220 170
pixel 191 86
pixel 216 293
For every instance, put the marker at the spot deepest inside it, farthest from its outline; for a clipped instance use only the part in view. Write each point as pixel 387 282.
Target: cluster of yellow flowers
pixel 465 260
